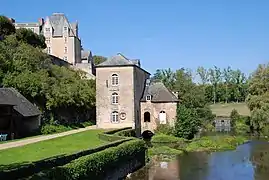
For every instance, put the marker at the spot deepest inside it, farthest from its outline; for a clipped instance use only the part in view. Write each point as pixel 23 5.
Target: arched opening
pixel 146 117
pixel 162 117
pixel 115 80
pixel 115 98
pixel 115 117
pixel 147 134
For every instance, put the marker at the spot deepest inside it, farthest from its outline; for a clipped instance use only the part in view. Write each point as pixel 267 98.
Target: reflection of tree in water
pixel 194 166
pixel 260 159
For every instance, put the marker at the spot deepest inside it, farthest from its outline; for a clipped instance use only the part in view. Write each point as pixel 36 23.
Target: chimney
pixel 41 21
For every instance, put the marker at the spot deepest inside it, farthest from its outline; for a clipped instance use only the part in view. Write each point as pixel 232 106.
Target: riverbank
pixel 165 145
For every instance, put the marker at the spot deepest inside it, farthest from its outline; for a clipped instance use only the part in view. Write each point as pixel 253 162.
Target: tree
pixel 29 37
pixel 258 97
pixel 98 59
pixel 187 122
pixel 227 78
pixel 203 74
pixel 166 76
pixel 6 27
pixel 215 78
pixel 234 117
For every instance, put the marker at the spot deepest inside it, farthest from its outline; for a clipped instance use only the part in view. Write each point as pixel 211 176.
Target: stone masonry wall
pixel 154 109
pixel 104 91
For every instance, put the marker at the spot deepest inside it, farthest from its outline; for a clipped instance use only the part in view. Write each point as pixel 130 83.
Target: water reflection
pixel 248 162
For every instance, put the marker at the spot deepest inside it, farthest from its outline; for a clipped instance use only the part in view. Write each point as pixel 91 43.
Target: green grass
pixel 226 109
pixel 53 147
pixel 215 143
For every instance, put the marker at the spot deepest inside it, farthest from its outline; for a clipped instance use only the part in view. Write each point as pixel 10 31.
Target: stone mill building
pixel 125 97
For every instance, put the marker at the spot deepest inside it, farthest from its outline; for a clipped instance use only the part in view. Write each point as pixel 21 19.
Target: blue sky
pixel 163 34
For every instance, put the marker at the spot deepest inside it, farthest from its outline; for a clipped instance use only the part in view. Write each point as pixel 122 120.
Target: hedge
pixel 116 134
pixel 37 166
pixel 126 133
pixel 102 164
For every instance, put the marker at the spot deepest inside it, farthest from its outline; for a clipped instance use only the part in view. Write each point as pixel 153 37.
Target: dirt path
pixel 41 138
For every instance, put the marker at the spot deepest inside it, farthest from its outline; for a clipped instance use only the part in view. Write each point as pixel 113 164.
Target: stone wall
pixel 154 109
pixel 104 90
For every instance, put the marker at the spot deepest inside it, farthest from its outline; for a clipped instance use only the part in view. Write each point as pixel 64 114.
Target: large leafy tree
pixel 98 59
pixel 29 37
pixel 6 27
pixel 187 122
pixel 54 89
pixel 167 76
pixel 258 97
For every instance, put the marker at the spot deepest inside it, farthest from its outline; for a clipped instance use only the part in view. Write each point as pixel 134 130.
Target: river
pixel 249 161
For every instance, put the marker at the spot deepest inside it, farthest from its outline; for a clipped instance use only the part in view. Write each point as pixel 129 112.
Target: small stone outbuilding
pixel 18 116
pixel 158 106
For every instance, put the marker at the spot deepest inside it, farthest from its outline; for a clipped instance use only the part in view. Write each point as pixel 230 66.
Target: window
pixel 49 50
pixel 47 29
pixel 115 117
pixel 115 80
pixel 162 117
pixel 65 39
pixel 65 28
pixel 47 40
pixel 146 117
pixel 65 58
pixel 65 49
pixel 148 97
pixel 115 98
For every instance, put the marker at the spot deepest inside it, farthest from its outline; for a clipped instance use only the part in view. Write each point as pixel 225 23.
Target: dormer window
pixel 147 82
pixel 148 97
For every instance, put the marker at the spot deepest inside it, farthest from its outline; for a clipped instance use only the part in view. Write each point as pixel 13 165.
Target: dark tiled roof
pixel 21 104
pixel 118 60
pixel 159 93
pixel 58 21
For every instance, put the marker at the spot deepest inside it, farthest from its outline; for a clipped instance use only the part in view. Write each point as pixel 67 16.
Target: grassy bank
pixel 164 145
pixel 54 147
pixel 222 109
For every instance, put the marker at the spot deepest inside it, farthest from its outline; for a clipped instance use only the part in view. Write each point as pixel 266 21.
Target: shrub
pixel 164 129
pixel 126 133
pixel 113 135
pixel 100 164
pixel 235 116
pixel 187 122
pixel 51 128
pixel 162 138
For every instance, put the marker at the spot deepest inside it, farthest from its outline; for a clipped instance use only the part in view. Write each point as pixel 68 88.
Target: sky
pixel 164 33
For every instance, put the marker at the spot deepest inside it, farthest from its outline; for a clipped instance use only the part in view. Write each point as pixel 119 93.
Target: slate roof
pixel 10 96
pixel 85 54
pixel 119 60
pixel 58 21
pixel 159 93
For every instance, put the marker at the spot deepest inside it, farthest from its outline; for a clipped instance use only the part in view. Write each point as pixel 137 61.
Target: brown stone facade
pixel 121 105
pixel 154 110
